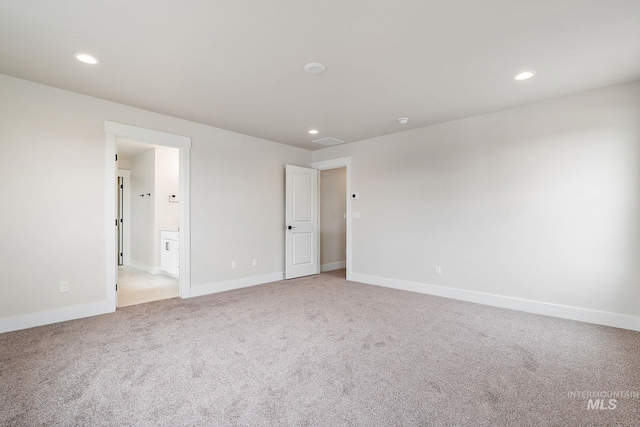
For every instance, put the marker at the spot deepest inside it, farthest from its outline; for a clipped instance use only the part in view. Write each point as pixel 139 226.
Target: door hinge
pixel 116 222
pixel 116 157
pixel 121 186
pixel 116 286
pixel 120 255
pixel 121 220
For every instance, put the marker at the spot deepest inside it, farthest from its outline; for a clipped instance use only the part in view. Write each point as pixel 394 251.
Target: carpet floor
pixel 319 351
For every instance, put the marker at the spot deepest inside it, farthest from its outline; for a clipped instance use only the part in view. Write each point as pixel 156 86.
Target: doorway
pixel 310 202
pixel 147 202
pixel 118 131
pixel 333 221
pixel 342 162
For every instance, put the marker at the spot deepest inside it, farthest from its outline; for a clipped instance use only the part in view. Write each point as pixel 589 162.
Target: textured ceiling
pixel 238 65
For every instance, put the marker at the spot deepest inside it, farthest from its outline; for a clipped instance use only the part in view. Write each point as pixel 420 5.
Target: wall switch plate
pixel 255 262
pixel 437 271
pixel 64 286
pixel 234 265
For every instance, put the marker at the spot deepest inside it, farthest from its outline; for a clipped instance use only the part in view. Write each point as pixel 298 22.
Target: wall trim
pixel 146 135
pixel 31 320
pixel 339 162
pixel 245 282
pixel 333 266
pixel 615 320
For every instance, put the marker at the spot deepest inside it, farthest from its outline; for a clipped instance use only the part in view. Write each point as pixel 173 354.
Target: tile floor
pixel 137 287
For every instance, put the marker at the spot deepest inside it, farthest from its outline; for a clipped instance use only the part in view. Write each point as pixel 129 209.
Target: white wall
pixel 55 182
pixel 239 202
pixel 155 172
pixel 333 225
pixel 167 215
pixel 143 212
pixel 124 164
pixel 540 202
pixel 166 183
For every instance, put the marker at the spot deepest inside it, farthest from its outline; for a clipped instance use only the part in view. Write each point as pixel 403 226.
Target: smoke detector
pixel 315 68
pixel 403 121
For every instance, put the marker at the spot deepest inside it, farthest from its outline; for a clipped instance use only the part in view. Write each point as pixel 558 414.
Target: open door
pixel 301 222
pixel 118 206
pixel 120 193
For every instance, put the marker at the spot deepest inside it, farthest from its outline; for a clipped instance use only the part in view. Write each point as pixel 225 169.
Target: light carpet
pixel 317 351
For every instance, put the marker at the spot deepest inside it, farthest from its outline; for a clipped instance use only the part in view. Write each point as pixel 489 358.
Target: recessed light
pixel 313 132
pixel 315 68
pixel 403 120
pixel 525 75
pixel 86 58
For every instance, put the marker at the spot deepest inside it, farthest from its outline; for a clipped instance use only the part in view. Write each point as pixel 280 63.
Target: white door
pixel 117 222
pixel 120 207
pixel 301 222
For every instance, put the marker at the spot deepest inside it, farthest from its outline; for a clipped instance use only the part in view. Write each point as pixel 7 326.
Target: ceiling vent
pixel 328 141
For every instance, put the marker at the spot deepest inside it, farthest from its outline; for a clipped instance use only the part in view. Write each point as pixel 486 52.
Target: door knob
pixel 289 227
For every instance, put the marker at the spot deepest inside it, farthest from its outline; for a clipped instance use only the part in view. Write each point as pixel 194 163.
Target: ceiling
pixel 239 65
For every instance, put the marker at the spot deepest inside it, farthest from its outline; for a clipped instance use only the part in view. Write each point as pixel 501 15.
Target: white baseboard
pixel 616 320
pixel 146 268
pixel 229 285
pixel 333 266
pixel 30 320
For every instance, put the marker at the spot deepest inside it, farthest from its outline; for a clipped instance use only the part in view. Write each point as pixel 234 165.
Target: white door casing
pixel 301 222
pixel 342 162
pixel 115 130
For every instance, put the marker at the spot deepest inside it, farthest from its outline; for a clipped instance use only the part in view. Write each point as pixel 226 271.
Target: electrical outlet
pixel 64 286
pixel 437 271
pixel 234 265
pixel 255 262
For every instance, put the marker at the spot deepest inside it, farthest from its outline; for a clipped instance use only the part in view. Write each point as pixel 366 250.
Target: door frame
pixel 113 131
pixel 341 162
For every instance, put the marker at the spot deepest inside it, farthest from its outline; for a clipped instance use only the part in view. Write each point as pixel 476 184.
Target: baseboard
pixel 615 320
pixel 333 266
pixel 229 285
pixel 146 268
pixel 30 320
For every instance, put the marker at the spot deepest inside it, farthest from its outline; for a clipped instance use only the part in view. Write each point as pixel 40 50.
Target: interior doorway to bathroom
pixel 148 212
